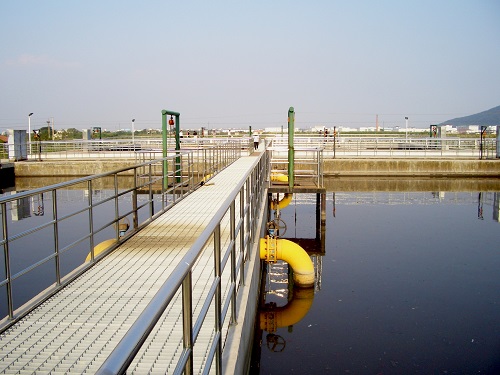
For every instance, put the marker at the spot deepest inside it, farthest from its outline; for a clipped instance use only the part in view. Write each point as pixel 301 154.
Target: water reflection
pixel 409 284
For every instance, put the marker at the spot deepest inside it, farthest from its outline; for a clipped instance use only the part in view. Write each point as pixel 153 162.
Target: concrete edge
pixel 237 349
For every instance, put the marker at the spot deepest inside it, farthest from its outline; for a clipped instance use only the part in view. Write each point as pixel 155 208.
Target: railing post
pixel 6 255
pixel 291 149
pixel 187 321
pixel 135 217
pixel 218 299
pixel 91 220
pixel 232 220
pixel 117 210
pixel 56 237
pixel 243 234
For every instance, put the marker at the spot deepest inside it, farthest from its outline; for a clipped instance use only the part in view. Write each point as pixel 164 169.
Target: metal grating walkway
pixel 75 330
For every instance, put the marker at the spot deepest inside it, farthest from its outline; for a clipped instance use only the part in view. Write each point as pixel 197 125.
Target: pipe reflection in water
pixel 272 317
pixel 282 304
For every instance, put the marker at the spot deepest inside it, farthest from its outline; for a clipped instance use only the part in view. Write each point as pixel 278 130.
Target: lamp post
pixel 29 128
pixel 133 131
pixel 406 120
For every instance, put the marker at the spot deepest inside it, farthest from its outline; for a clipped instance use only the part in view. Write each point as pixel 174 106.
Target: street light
pixel 29 127
pixel 133 120
pixel 406 120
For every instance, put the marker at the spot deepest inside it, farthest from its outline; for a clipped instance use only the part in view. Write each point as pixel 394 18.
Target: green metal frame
pixel 164 114
pixel 291 150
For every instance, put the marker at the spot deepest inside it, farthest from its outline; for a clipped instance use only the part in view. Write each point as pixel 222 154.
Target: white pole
pixel 133 131
pixel 29 127
pixel 406 119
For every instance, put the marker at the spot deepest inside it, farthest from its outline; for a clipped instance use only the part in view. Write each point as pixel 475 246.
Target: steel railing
pixel 338 146
pixel 397 147
pixel 308 161
pixel 132 196
pixel 228 236
pixel 105 149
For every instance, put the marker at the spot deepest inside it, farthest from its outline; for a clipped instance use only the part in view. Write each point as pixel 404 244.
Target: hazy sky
pixel 244 63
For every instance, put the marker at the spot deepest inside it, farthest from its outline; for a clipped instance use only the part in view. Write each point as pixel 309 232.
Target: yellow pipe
pixel 272 318
pixel 283 202
pixel 293 254
pixel 206 178
pixel 100 247
pixel 279 177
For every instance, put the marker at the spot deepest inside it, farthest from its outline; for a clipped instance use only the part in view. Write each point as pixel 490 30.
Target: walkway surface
pixel 76 330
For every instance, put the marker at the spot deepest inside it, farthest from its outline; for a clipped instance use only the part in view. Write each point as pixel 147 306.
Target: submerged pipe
pixel 272 249
pixel 101 247
pixel 271 318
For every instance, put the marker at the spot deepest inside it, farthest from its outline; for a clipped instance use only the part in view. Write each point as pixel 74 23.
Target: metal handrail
pixel 121 148
pixel 160 188
pixel 249 195
pixel 397 147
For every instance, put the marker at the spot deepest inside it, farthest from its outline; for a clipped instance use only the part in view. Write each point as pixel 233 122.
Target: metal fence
pixel 131 197
pixel 396 147
pixel 338 147
pixel 112 149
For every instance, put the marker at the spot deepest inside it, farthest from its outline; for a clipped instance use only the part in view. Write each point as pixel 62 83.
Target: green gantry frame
pixel 291 149
pixel 164 129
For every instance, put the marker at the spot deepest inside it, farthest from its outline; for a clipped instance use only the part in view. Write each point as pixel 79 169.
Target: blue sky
pixel 244 63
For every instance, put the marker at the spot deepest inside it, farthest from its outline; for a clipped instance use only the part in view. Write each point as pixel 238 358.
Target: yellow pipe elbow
pixel 295 256
pixel 283 202
pixel 100 247
pixel 292 313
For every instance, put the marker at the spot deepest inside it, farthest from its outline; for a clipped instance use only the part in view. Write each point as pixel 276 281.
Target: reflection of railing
pixel 139 200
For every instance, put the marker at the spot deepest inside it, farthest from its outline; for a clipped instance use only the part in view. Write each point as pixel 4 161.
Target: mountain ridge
pixel 485 118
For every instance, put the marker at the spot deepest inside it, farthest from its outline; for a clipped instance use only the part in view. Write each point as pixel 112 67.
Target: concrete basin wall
pixel 69 167
pixel 411 167
pixel 331 167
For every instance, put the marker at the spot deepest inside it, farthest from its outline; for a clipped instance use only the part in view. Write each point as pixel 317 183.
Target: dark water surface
pixel 410 284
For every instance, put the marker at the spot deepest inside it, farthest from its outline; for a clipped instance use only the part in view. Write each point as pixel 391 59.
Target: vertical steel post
pixel 291 150
pixel 498 142
pixel 6 255
pixel 218 299
pixel 233 260
pixel 187 320
pixel 243 233
pixel 135 215
pixel 91 220
pixel 164 138
pixel 482 147
pixel 56 237
pixel 177 147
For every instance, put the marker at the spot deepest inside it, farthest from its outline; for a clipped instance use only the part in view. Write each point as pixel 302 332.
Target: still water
pixel 409 284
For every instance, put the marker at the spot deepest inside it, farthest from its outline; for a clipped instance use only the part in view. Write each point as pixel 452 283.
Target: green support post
pixel 291 151
pixel 177 146
pixel 164 131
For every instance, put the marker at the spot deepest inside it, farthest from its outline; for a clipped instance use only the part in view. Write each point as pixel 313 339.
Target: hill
pixel 489 117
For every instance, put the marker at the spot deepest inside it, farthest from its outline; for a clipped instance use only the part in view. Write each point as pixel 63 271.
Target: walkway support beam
pixel 291 150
